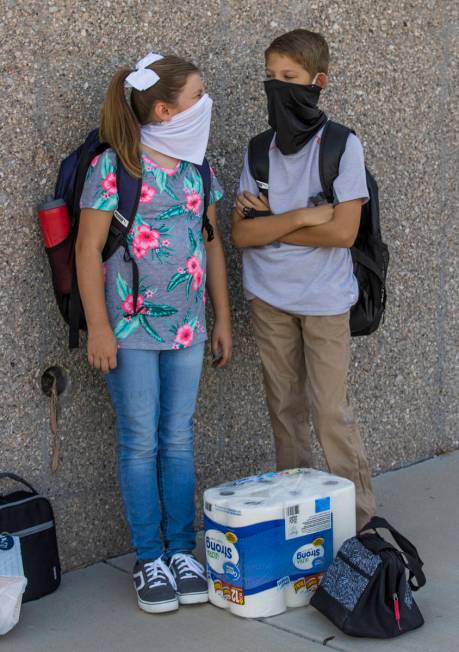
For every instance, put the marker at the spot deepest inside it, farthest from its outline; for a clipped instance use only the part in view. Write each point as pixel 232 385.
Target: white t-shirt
pixel 297 279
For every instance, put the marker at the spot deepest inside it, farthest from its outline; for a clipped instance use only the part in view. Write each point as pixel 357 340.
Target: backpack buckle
pixel 262 185
pixel 121 219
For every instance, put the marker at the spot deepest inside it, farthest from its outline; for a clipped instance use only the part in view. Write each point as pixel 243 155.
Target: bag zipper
pixel 396 610
pixel 35 529
pixel 20 502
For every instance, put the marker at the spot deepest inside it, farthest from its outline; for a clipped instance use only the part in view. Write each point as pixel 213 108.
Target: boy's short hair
pixel 309 49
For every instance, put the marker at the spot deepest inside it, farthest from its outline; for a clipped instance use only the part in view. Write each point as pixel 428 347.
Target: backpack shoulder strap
pixel 206 175
pixel 86 152
pixel 128 200
pixel 332 145
pixel 258 155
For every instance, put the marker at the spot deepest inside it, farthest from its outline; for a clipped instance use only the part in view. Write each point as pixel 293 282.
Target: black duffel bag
pixel 29 516
pixel 366 591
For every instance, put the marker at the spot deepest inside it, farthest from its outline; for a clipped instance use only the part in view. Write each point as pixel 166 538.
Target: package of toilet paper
pixel 269 538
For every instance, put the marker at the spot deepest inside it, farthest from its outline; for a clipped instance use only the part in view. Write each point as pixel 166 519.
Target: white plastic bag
pixel 11 590
pixel 12 581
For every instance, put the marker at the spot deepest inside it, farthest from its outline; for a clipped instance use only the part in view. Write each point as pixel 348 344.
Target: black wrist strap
pixel 16 478
pixel 252 212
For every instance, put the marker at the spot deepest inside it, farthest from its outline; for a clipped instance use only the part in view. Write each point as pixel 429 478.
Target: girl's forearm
pixel 90 274
pixel 217 282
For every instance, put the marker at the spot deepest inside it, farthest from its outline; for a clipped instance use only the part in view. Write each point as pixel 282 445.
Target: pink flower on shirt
pixel 146 237
pixel 184 335
pixel 128 304
pixel 197 280
pixel 109 183
pixel 139 250
pixel 193 201
pixel 94 161
pixel 146 193
pixel 192 265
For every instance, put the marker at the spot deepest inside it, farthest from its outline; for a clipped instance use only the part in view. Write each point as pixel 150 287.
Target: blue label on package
pixel 323 504
pixel 257 557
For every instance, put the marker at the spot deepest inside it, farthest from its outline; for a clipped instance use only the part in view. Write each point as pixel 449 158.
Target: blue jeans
pixel 154 397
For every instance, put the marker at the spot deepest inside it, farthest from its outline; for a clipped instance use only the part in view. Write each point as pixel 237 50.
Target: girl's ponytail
pixel 119 126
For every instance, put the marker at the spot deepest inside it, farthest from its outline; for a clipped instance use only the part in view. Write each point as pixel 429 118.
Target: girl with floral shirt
pixel 152 352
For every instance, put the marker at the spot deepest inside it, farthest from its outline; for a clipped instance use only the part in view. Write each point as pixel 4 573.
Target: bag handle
pixel 17 478
pixel 413 562
pixel 414 567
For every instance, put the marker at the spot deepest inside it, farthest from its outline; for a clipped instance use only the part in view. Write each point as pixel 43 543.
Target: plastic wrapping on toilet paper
pixel 12 581
pixel 270 538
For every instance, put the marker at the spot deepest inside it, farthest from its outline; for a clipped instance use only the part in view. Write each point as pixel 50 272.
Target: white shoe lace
pixel 187 566
pixel 158 574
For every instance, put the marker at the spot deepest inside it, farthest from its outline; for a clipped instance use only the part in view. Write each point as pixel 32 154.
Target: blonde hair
pixel 309 49
pixel 121 120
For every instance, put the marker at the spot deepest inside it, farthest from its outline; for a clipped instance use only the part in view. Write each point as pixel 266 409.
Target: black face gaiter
pixel 293 113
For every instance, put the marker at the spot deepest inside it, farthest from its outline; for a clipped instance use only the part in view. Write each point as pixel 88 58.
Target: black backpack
pixel 366 591
pixel 69 186
pixel 369 254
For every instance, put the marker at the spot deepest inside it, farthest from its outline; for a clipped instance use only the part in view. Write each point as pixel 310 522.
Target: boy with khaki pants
pixel 298 272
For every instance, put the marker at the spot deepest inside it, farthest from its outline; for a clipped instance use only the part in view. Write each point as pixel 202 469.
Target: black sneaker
pixel 155 586
pixel 190 579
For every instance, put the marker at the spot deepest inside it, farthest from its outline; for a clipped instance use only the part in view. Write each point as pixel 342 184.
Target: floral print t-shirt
pixel 167 244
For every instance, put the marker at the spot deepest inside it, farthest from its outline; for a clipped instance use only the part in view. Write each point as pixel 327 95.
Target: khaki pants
pixel 308 356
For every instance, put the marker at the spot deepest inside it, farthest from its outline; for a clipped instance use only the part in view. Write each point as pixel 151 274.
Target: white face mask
pixel 185 136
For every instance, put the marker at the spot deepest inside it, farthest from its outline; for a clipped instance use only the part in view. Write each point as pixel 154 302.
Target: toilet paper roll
pixel 300 592
pixel 342 504
pixel 262 605
pixel 216 596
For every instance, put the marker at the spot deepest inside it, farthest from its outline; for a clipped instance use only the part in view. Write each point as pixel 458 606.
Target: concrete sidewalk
pixel 95 609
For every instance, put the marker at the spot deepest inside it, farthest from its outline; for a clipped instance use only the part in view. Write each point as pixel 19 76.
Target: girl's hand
pixel 221 343
pixel 102 348
pixel 247 200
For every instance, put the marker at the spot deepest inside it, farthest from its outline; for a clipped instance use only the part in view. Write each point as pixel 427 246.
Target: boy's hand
pixel 322 214
pixel 102 348
pixel 247 200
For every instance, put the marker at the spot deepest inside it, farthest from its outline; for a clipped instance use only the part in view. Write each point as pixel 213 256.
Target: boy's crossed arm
pixel 266 230
pixel 340 231
pixel 321 226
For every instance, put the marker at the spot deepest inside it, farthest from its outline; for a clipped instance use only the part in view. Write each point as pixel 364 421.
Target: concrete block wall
pixel 393 80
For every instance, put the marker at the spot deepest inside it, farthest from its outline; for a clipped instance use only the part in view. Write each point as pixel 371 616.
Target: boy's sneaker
pixel 155 586
pixel 190 578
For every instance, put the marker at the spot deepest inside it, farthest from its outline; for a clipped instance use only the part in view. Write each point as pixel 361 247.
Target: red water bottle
pixel 54 222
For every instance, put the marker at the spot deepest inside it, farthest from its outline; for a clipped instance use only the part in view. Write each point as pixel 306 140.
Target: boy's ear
pixel 321 80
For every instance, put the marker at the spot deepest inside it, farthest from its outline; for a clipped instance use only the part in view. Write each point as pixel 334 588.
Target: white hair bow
pixel 144 77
